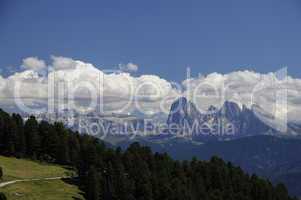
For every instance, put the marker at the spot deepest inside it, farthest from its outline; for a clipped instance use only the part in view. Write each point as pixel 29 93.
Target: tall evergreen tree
pixel 49 140
pixel 33 142
pixel 93 186
pixel 63 147
pixel 2 132
pixel 74 148
pixel 10 137
pixel 21 143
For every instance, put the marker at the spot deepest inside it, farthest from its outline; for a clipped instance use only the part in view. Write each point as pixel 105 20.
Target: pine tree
pixel 63 147
pixel 3 129
pixel 93 186
pixel 33 141
pixel 21 143
pixel 49 140
pixel 10 137
pixel 74 149
pixel 124 186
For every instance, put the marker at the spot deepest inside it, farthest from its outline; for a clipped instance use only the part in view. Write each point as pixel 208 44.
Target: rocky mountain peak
pixel 182 109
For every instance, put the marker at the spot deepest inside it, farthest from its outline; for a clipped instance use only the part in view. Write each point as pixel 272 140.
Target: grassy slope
pixel 25 169
pixel 47 190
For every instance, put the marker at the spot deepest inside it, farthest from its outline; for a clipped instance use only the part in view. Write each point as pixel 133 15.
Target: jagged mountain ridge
pixel 230 119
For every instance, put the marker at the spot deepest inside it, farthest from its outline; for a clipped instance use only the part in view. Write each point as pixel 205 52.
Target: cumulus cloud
pixel 276 94
pixel 78 82
pixel 130 67
pixel 33 63
pixel 63 63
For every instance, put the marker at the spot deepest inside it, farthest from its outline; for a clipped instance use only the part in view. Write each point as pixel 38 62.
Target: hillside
pixel 46 190
pixel 135 173
pixel 26 170
pixel 276 158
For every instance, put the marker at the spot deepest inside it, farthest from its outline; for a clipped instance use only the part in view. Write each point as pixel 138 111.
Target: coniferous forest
pixel 133 174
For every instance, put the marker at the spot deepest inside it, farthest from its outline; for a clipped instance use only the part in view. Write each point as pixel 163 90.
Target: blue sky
pixel 162 36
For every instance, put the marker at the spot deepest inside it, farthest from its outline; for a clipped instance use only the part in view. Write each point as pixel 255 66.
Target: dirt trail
pixel 29 180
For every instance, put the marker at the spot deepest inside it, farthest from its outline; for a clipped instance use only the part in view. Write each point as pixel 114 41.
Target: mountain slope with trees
pixel 135 173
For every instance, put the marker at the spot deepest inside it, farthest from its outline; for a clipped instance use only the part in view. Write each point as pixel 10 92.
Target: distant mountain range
pixel 229 120
pixel 183 120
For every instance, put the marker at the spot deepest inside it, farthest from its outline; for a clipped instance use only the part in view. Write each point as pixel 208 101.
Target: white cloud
pixel 115 91
pixel 33 63
pixel 248 88
pixel 63 63
pixel 79 80
pixel 130 67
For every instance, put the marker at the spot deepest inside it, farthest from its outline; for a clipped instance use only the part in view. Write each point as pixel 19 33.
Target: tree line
pixel 133 174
